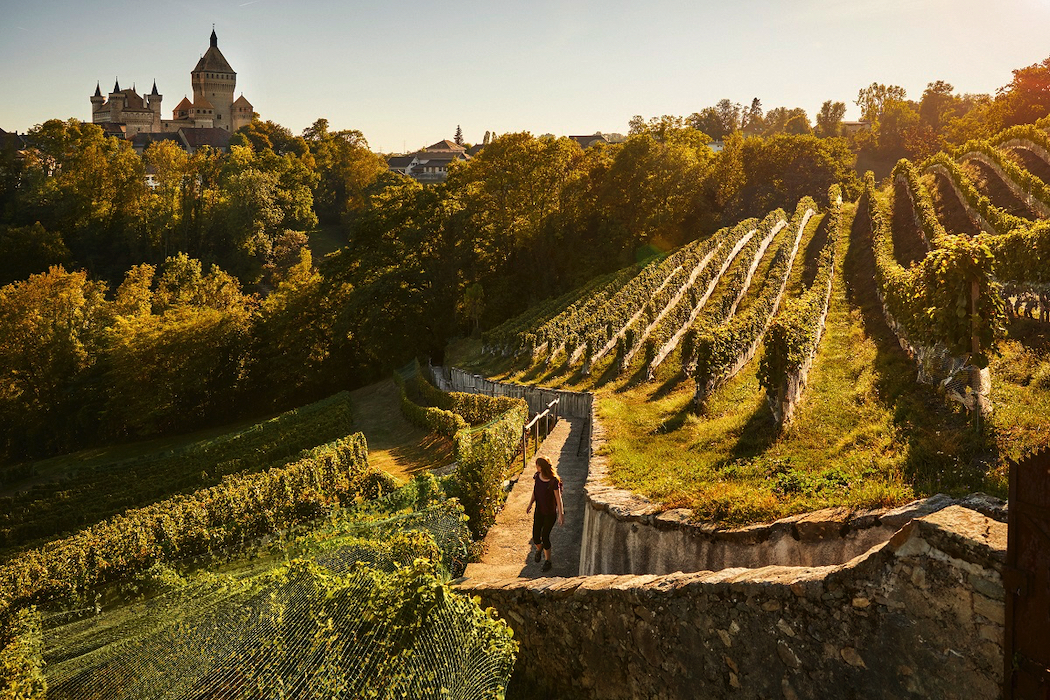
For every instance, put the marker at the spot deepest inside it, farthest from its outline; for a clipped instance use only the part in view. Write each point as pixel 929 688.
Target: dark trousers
pixel 542 524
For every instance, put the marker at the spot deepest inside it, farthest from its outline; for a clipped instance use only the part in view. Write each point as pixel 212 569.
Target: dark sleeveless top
pixel 544 492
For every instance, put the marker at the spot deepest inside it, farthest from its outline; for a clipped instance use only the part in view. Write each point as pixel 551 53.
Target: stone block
pixel 991 610
pixel 852 657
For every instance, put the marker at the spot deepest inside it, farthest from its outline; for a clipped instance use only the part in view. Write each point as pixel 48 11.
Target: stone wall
pixel 625 533
pixel 573 404
pixel 919 616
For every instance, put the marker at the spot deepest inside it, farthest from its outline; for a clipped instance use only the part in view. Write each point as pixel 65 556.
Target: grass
pixel 395 445
pixel 1021 389
pixel 867 434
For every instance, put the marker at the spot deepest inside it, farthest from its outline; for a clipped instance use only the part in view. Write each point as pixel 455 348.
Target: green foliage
pixel 1023 255
pixel 69 502
pixel 922 202
pixel 29 250
pixel 781 170
pixel 948 299
pixel 484 455
pixel 792 338
pixel 720 348
pixel 483 452
pixel 206 522
pixel 21 658
pixel 1002 221
pixel 544 322
pixel 431 418
pixel 1028 182
pixel 681 315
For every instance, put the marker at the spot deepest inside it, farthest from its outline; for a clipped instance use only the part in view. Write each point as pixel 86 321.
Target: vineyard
pixel 304 568
pixel 861 347
pixel 908 331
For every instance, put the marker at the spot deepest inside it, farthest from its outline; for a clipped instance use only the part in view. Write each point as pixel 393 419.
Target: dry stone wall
pixel 920 616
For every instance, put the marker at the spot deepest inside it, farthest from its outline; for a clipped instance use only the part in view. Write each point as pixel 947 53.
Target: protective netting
pixel 355 609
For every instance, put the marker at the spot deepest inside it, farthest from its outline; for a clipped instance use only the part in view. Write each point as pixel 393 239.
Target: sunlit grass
pixel 866 434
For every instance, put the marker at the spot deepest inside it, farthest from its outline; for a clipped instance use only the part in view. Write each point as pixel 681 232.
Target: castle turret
pixel 213 83
pixel 241 113
pixel 153 100
pixel 97 100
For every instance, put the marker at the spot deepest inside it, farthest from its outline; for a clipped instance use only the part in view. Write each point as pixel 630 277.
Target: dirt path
pixel 508 553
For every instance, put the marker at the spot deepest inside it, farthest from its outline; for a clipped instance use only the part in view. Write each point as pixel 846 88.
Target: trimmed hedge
pixel 483 453
pixel 429 418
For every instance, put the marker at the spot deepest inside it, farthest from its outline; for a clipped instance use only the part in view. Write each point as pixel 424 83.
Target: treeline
pixel 77 198
pixel 894 126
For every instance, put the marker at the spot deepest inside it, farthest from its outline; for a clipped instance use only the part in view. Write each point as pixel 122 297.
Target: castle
pixel 213 106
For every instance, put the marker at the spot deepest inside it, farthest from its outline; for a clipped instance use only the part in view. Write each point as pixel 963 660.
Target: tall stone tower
pixel 153 101
pixel 213 83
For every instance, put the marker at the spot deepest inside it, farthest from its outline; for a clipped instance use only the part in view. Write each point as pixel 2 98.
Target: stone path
pixel 508 553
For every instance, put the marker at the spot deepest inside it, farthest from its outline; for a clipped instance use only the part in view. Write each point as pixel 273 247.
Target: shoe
pixel 536 556
pixel 547 565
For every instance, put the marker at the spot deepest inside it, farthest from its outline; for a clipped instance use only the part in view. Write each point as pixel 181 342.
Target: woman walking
pixel 546 495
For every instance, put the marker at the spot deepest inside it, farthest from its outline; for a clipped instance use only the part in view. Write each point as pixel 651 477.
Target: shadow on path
pixel 508 553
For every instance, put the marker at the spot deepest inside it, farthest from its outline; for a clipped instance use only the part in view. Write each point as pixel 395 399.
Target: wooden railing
pixel 549 419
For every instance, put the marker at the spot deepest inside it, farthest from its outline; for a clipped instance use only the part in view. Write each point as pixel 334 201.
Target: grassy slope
pixel 866 434
pixel 395 445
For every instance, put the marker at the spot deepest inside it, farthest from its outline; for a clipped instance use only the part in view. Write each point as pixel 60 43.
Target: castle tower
pixel 153 102
pixel 213 83
pixel 97 100
pixel 116 102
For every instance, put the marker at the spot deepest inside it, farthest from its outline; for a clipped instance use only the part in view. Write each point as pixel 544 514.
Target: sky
pixel 406 73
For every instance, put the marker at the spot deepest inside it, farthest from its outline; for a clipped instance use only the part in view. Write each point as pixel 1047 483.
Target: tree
pixel 458 138
pixel 829 119
pixel 1027 97
pixel 51 328
pixel 472 304
pixel 873 99
pixel 797 122
pixel 29 250
pixel 753 121
pixel 346 168
pixel 937 100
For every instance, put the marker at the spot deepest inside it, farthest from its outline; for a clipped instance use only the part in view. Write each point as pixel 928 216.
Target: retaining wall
pixel 625 533
pixel 919 616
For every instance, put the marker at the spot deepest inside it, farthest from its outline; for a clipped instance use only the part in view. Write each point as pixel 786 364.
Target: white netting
pixel 360 611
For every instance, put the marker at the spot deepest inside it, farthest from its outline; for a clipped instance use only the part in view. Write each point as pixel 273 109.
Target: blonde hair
pixel 547 468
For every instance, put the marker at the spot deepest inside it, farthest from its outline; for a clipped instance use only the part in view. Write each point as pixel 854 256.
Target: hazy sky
pixel 406 73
